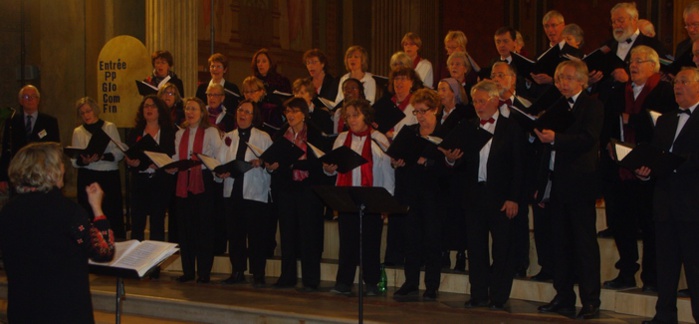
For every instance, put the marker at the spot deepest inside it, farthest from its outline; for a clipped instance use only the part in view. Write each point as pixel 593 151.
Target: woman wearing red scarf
pixel 300 209
pixel 364 140
pixel 194 190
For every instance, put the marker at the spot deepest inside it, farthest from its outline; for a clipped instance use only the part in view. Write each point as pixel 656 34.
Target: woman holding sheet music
pixel 300 209
pixel 246 196
pixel 162 71
pixel 370 144
pixel 417 185
pixel 402 83
pixel 194 190
pixel 102 168
pixel 46 240
pixel 151 189
pixel 271 117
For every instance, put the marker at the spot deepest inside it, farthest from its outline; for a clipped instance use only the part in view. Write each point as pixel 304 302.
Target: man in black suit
pixel 554 23
pixel 628 202
pixel 675 202
pixel 684 49
pixel 625 37
pixel 504 76
pixel 573 165
pixel 493 193
pixel 26 126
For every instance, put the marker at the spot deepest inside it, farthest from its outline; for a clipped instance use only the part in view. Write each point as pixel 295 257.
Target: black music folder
pixel 281 151
pixel 145 143
pixel 408 145
pixel 598 60
pixel 545 101
pixel 98 143
pixel 387 117
pixel 235 167
pixel 164 161
pixel 466 137
pixel 145 88
pixel 557 118
pixel 633 157
pixel 344 157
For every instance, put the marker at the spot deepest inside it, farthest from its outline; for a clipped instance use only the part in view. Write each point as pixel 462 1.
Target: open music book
pixel 139 256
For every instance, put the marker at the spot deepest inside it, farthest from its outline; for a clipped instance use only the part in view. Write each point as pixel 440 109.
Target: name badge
pixel 42 133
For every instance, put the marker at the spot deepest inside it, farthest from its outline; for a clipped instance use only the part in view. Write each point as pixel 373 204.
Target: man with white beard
pixel 626 35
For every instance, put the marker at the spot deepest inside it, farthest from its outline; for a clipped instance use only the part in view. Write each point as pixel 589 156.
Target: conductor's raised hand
pixel 95 195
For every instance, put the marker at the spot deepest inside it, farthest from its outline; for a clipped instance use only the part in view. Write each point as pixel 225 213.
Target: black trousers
pixel 150 196
pixel 676 244
pixel 246 224
pixel 112 205
pixel 423 230
pixel 301 230
pixel 348 225
pixel 575 251
pixel 633 209
pixel 196 230
pixel 489 281
pixel 220 238
pixel 520 238
pixel 543 237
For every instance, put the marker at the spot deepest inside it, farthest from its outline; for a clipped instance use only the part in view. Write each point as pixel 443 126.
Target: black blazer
pixel 167 142
pixel 230 102
pixel 461 113
pixel 661 99
pixel 505 163
pixel 651 42
pixel 282 178
pixel 676 193
pixel 45 130
pixel 321 116
pixel 329 88
pixel 577 149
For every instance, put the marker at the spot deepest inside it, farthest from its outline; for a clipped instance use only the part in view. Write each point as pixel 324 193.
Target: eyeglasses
pixel 619 21
pixel 30 97
pixel 498 75
pixel 169 93
pixel 547 26
pixel 251 91
pixel 639 61
pixel 420 111
pixel 191 108
pixel 244 112
pixel 214 94
pixel 149 106
pixel 683 82
pixel 312 62
pixel 691 26
pixel 218 66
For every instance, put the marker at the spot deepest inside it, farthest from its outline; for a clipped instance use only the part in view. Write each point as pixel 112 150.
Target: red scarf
pixel 300 141
pixel 191 181
pixel 416 61
pixel 632 107
pixel 366 170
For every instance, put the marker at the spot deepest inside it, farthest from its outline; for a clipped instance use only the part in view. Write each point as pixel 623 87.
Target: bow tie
pixel 486 121
pixel 684 111
pixel 628 41
pixel 507 102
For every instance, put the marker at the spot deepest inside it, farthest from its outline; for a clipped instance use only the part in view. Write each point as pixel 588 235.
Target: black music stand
pixel 360 200
pixel 121 274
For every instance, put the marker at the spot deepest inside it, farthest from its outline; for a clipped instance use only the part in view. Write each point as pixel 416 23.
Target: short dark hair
pixel 297 102
pixel 364 106
pixel 507 30
pixel 166 55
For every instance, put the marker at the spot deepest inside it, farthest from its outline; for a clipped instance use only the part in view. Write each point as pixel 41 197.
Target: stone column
pixel 172 26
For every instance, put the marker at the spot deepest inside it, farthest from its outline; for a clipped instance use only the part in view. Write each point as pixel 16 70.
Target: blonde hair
pixel 37 167
pixel 650 54
pixel 458 36
pixel 399 59
pixel 87 101
pixel 580 71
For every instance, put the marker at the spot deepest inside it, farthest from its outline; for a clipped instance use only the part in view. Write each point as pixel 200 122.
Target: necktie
pixel 28 126
pixel 486 121
pixel 571 101
pixel 507 102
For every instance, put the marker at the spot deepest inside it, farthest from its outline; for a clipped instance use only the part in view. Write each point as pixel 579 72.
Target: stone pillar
pixel 172 26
